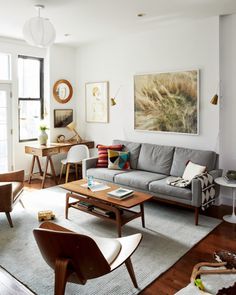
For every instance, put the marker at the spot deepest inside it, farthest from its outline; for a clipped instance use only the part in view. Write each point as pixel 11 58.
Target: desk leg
pixel 53 170
pixel 39 166
pixel 31 169
pixel 45 172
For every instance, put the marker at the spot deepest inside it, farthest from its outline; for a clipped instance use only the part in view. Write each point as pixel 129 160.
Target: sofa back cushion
pixel 183 155
pixel 155 158
pixel 133 148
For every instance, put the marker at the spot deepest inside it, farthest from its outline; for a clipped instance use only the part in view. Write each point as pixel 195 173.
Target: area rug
pixel 170 232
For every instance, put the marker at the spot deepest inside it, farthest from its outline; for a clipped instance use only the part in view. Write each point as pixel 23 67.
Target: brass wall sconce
pixel 113 99
pixel 214 99
pixel 76 137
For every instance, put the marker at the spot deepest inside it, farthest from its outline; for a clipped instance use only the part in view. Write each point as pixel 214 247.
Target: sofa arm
pixel 196 193
pixel 197 190
pixel 13 176
pixel 87 164
pixel 216 173
pixel 6 198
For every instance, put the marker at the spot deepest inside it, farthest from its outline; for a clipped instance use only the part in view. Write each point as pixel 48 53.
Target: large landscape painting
pixel 167 102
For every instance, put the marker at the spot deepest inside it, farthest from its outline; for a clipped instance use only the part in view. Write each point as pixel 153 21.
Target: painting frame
pixel 97 102
pixel 191 78
pixel 62 117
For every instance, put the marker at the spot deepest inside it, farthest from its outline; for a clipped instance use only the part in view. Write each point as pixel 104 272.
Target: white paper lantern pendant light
pixel 39 31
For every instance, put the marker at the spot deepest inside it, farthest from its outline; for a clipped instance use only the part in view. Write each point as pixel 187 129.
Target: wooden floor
pixel 223 237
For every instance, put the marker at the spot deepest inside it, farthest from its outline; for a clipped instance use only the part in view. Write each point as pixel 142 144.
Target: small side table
pixel 221 181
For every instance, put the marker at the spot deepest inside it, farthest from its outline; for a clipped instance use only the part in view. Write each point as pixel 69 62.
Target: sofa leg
pixel 196 215
pixel 9 219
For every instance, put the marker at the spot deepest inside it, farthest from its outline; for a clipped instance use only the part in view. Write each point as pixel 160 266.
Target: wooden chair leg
pixel 130 269
pixel 61 172
pixel 9 218
pixel 61 275
pixel 67 171
pixel 196 215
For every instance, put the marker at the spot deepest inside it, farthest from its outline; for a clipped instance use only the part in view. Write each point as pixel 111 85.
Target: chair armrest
pixel 13 176
pixel 88 163
pixel 6 198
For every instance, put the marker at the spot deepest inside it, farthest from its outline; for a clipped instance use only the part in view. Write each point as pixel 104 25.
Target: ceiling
pixel 93 20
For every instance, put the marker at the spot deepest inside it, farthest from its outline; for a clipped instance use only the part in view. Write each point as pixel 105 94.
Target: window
pixel 5 62
pixel 30 87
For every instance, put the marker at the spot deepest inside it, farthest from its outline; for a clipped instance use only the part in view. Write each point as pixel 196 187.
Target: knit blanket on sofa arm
pixel 207 187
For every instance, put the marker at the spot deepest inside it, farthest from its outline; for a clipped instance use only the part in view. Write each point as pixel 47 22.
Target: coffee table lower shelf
pixel 117 214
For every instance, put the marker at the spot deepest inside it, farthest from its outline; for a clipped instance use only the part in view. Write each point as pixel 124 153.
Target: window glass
pixel 3 132
pixel 29 78
pixel 5 63
pixel 30 116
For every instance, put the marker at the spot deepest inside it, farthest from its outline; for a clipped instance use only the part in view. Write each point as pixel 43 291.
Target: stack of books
pixel 103 212
pixel 121 193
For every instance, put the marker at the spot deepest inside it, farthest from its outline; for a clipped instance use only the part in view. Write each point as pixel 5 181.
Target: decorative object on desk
pixel 43 137
pixel 118 160
pixel 39 31
pixel 76 137
pixel 161 99
pixel 62 117
pixel 97 102
pixel 61 138
pixel 62 91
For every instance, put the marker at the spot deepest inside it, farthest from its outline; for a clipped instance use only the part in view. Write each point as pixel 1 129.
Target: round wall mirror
pixel 62 91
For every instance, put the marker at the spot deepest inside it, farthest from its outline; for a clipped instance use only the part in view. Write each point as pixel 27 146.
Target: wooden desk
pixel 47 151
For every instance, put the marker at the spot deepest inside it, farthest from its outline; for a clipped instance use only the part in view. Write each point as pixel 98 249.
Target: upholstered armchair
pixel 11 187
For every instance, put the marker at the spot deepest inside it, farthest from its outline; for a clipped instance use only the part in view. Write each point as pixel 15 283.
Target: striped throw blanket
pixel 207 186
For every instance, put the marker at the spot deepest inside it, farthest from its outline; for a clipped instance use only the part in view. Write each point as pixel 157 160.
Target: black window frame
pixel 40 99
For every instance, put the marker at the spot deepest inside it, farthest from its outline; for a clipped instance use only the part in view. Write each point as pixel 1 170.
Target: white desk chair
pixel 75 155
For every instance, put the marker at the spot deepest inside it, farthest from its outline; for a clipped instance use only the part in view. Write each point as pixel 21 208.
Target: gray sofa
pixel 151 165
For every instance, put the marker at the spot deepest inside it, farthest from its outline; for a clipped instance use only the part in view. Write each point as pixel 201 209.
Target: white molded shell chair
pixel 75 156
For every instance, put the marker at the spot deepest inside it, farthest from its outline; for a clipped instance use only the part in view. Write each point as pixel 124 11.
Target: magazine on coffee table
pixel 96 187
pixel 121 193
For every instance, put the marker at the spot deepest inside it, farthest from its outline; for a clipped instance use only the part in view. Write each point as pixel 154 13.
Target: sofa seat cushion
pixel 183 155
pixel 155 158
pixel 137 179
pixel 162 187
pixel 104 173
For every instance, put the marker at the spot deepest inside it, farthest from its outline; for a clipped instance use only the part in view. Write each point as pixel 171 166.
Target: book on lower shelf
pixel 121 193
pixel 85 205
pixel 103 212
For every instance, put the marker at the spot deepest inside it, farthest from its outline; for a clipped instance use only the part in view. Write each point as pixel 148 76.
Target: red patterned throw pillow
pixel 103 153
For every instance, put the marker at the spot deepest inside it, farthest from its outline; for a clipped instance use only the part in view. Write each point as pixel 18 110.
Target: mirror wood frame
pixel 55 94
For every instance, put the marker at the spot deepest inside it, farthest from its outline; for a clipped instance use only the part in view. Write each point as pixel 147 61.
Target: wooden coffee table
pixel 103 206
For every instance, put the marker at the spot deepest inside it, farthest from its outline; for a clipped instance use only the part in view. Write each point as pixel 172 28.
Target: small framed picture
pixel 97 102
pixel 62 117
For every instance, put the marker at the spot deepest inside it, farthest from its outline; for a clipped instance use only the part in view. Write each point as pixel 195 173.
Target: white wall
pixel 179 46
pixel 228 97
pixel 61 66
